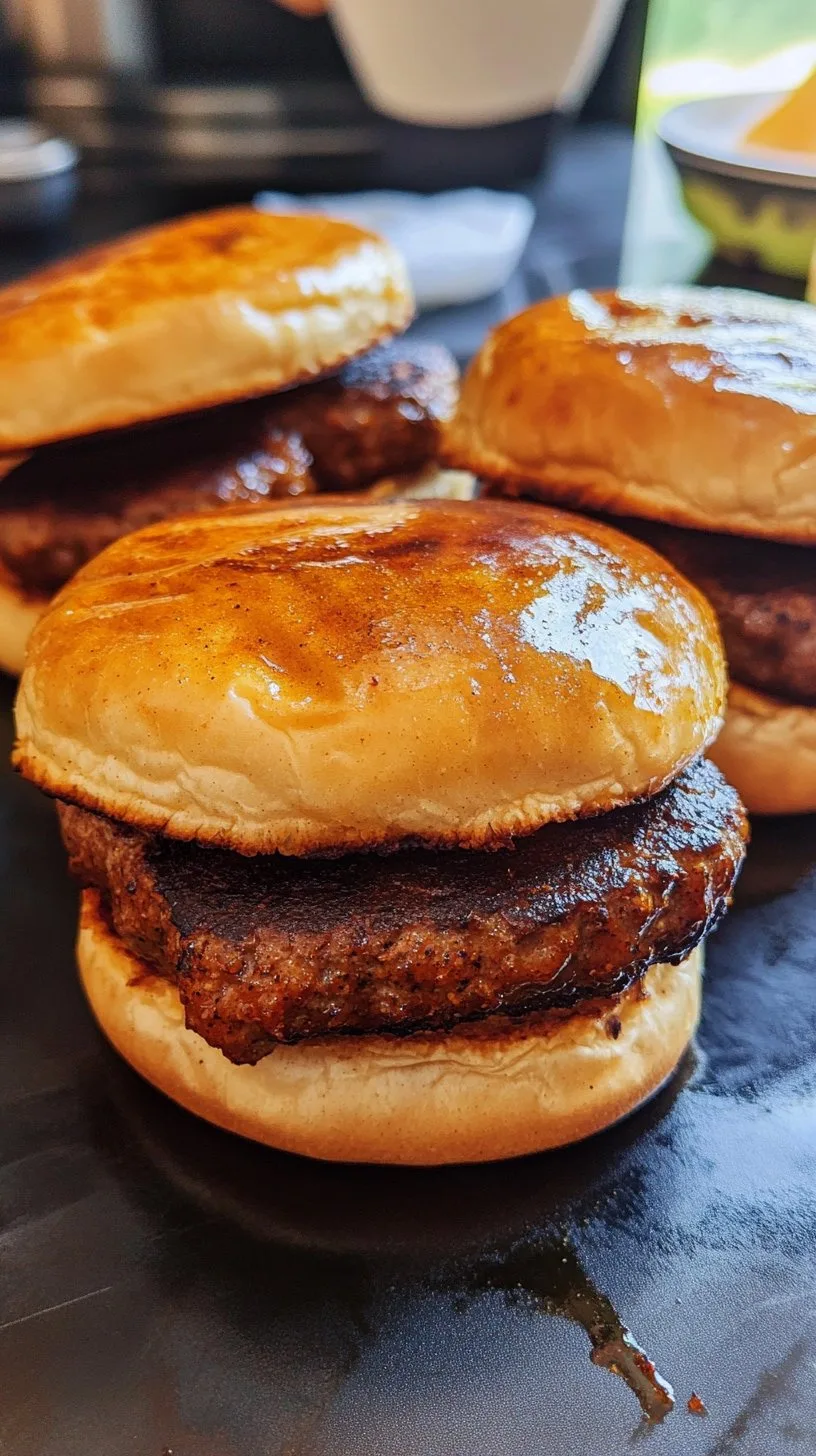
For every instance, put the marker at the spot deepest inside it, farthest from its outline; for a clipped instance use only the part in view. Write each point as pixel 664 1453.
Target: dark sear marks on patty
pixel 380 416
pixel 274 949
pixel 764 593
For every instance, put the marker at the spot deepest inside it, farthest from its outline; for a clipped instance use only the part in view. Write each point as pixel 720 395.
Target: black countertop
pixel 165 1288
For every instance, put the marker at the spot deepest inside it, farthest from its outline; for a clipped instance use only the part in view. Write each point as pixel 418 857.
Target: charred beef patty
pixel 379 416
pixel 274 949
pixel 764 593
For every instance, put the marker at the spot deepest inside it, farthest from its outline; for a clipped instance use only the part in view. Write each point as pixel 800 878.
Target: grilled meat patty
pixel 764 593
pixel 380 416
pixel 274 949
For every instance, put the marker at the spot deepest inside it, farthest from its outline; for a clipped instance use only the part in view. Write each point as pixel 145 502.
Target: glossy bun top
pixel 338 675
pixel 690 405
pixel 213 307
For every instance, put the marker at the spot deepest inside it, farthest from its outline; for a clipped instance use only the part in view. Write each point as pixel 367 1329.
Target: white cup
pixel 474 62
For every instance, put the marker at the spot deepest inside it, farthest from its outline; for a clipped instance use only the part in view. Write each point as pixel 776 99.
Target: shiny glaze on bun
pixel 318 678
pixel 695 406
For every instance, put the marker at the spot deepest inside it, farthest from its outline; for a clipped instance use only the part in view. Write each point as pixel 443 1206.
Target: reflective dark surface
pixel 166 1288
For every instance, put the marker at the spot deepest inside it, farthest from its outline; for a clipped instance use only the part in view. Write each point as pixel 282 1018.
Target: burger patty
pixel 274 949
pixel 764 593
pixel 380 416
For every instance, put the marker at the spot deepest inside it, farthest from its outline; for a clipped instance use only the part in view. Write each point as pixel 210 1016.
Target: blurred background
pixel 722 49
pixel 724 46
pixel 119 112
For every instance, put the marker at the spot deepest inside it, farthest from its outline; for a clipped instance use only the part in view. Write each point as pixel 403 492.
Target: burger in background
pixel 154 377
pixel 690 415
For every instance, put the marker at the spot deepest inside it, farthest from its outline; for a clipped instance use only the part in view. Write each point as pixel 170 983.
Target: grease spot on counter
pixel 551 1279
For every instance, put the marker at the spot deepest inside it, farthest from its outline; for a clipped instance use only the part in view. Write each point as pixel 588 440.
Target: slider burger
pixel 690 413
pixel 396 836
pixel 178 321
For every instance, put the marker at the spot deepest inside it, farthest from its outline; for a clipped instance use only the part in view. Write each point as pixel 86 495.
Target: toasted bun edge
pixel 767 750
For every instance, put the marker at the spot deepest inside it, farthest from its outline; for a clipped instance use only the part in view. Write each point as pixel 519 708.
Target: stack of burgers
pixel 153 377
pixel 397 838
pixel 690 414
pixel 396 834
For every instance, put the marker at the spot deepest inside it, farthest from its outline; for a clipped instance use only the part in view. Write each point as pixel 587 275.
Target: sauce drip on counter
pixel 553 1277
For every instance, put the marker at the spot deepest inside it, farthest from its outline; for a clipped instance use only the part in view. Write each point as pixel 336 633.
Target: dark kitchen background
pixel 230 95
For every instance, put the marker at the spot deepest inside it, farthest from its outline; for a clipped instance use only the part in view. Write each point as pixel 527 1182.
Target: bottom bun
pixel 473 1095
pixel 767 750
pixel 18 615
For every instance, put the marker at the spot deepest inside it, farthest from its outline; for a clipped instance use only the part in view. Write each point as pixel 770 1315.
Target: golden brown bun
pixel 18 615
pixel 468 1096
pixel 767 750
pixel 19 612
pixel 210 308
pixel 337 675
pixel 695 406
